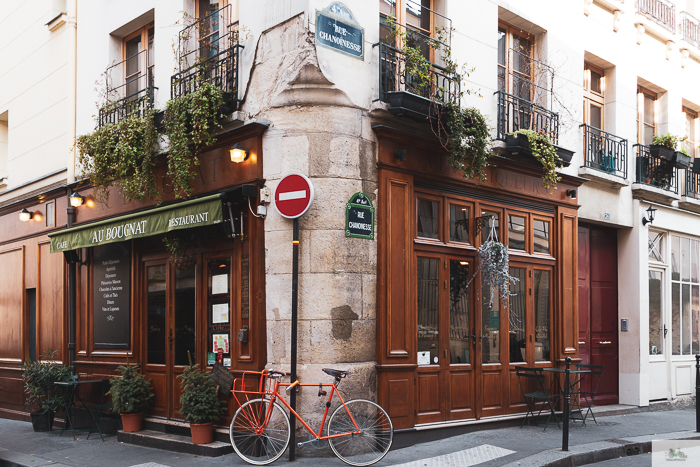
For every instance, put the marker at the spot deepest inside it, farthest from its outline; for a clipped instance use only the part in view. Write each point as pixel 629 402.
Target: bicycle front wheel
pixel 254 441
pixel 373 441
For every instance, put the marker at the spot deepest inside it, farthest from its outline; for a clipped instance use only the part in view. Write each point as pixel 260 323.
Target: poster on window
pixel 220 341
pixel 219 313
pixel 219 284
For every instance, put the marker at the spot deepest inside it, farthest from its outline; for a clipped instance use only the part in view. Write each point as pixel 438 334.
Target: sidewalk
pixel 613 436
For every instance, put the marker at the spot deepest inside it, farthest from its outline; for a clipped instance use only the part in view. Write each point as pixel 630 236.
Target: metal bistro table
pixel 72 401
pixel 578 377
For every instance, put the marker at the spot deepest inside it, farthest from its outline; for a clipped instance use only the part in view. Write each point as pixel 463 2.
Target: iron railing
pixel 655 172
pixel 208 52
pixel 441 86
pixel 692 184
pixel 604 151
pixel 690 28
pixel 516 114
pixel 661 12
pixel 130 89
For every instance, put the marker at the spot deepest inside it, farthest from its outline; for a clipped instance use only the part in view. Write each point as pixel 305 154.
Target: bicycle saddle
pixel 336 373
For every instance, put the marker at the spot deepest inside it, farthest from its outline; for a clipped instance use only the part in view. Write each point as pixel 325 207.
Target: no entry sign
pixel 294 195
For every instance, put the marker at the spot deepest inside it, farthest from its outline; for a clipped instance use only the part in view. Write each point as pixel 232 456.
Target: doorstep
pixel 174 442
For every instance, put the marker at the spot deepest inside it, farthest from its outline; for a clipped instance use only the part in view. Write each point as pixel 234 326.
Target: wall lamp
pixel 76 200
pixel 650 214
pixel 25 215
pixel 571 194
pixel 238 153
pixel 400 154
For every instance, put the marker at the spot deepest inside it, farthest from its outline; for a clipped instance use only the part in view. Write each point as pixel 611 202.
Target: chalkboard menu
pixel 111 296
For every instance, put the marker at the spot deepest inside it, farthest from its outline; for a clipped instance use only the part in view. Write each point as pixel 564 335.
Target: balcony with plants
pixel 208 53
pixel 604 156
pixel 656 176
pixel 409 79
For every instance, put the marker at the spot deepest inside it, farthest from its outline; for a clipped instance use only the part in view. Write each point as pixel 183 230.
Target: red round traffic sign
pixel 294 195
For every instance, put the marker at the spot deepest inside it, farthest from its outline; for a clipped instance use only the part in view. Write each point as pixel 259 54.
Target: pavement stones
pixel 615 436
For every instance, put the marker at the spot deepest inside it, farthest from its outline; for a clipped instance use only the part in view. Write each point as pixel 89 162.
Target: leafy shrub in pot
pixel 38 376
pixel 199 402
pixel 131 394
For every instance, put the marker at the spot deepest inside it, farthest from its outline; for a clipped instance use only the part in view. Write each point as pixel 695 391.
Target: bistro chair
pixel 589 395
pixel 529 377
pixel 102 410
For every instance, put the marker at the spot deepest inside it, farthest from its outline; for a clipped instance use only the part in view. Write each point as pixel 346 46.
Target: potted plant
pixel 131 395
pixel 663 146
pixel 683 159
pixel 177 247
pixel 38 377
pixel 200 405
pixel 540 146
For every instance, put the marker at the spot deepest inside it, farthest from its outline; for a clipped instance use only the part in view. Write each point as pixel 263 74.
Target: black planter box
pixel 682 161
pixel 696 165
pixel 42 421
pixel 662 152
pixel 412 105
pixel 519 144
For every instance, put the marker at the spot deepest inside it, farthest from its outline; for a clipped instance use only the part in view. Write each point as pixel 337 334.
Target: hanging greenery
pixel 121 154
pixel 189 123
pixel 463 132
pixel 544 151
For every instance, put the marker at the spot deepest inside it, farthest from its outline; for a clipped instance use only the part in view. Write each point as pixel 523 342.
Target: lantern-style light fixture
pixel 238 153
pixel 25 215
pixel 76 200
pixel 650 216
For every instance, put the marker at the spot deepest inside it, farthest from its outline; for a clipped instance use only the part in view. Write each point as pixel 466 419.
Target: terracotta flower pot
pixel 132 422
pixel 202 433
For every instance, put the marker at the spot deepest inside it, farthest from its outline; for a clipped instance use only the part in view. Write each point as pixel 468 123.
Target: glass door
pixel 170 340
pixel 445 347
pixel 659 338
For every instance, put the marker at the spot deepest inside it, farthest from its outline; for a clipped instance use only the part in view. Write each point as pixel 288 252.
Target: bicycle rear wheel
pixel 254 443
pixel 373 441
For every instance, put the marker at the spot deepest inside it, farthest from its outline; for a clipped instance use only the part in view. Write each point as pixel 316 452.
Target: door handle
pixel 581 343
pixel 170 339
pixel 605 342
pixel 665 331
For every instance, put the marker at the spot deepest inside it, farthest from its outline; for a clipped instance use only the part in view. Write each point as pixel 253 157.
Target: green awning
pixel 192 213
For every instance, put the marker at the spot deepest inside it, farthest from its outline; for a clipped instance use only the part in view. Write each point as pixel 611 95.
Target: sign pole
pixel 295 290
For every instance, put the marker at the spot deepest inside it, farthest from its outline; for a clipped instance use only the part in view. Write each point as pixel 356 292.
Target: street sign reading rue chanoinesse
pixel 294 195
pixel 359 217
pixel 337 29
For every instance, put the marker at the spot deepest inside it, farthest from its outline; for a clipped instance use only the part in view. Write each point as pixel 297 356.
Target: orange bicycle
pixel 359 431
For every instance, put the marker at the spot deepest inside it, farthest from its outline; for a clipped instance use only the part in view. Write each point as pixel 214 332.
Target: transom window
pixel 656 246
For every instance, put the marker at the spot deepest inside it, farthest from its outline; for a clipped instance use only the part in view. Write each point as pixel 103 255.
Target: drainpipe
pixel 71 23
pixel 72 31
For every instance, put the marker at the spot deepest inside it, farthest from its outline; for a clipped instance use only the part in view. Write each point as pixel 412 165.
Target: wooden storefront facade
pixel 442 354
pixel 170 310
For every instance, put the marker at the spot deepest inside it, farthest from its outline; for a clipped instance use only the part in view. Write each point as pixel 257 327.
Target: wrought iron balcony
pixel 441 86
pixel 660 11
pixel 208 52
pixel 604 151
pixel 515 113
pixel 692 184
pixel 130 89
pixel 655 172
pixel 690 28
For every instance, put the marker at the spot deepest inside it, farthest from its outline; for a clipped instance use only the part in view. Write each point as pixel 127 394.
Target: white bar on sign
pixel 293 195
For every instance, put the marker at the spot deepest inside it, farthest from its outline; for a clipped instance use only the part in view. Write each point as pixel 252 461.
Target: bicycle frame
pixel 275 395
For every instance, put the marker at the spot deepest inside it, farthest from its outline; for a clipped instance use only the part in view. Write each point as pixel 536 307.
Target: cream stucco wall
pixel 34 93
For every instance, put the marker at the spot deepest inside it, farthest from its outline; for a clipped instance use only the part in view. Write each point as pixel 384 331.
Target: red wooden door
pixel 598 308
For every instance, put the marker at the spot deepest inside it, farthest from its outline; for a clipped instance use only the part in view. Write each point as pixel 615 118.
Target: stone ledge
pixel 654 194
pixel 689 203
pixel 602 178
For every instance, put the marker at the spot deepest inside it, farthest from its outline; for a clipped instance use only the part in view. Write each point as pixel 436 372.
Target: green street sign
pixel 359 217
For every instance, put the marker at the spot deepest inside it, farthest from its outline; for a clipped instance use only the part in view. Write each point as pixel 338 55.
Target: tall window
pixel 646 115
pixel 416 16
pixel 593 96
pixel 691 143
pixel 138 57
pixel 515 58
